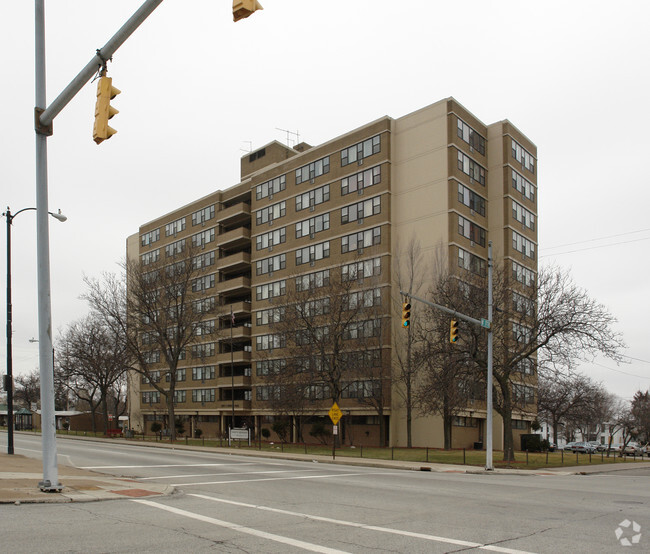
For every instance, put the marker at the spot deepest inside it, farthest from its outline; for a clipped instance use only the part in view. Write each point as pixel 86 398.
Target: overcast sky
pixel 198 90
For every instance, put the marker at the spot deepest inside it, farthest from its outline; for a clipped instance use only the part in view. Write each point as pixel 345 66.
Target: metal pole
pixel 488 450
pixel 10 375
pixel 232 374
pixel 50 480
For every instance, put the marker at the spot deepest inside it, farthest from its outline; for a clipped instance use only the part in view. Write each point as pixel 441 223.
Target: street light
pixel 9 379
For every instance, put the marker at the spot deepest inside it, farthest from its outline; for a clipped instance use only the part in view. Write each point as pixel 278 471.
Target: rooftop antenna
pixel 296 134
pixel 250 146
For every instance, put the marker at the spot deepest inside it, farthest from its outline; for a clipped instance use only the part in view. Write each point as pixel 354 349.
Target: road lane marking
pixel 281 479
pixel 241 529
pixel 223 474
pixel 410 534
pixel 169 465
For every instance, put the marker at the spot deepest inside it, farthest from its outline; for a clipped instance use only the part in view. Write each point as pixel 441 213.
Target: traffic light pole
pixel 486 324
pixel 44 116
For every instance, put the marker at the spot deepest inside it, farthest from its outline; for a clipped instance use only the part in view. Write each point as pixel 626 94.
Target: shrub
pixel 156 427
pixel 266 433
pixel 281 428
pixel 321 432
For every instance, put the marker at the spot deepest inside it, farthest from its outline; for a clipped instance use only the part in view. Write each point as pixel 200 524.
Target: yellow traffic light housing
pixel 244 8
pixel 103 109
pixel 453 331
pixel 406 315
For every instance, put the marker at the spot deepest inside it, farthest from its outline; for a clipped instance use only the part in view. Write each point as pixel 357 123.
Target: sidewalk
pixel 19 478
pixel 19 475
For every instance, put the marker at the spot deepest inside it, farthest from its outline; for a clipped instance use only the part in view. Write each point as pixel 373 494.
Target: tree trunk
pixel 447 421
pixel 508 441
pixel 172 417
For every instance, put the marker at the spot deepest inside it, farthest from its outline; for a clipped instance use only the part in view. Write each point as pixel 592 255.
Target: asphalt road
pixel 230 503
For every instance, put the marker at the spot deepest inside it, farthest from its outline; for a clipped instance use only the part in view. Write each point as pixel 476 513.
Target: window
pixel 522 274
pixel 268 392
pixel 151 397
pixel 180 396
pixel 360 181
pixel 203 350
pixel 270 367
pixel 362 360
pixel 364 298
pixel 523 394
pixel 523 305
pixel 203 283
pixel 523 216
pixel 150 257
pixel 521 333
pixel 361 150
pixel 203 395
pixel 471 231
pixel 271 238
pixel 270 187
pixel 152 377
pixel 519 425
pixel 148 238
pixel 270 316
pixel 269 342
pixel 312 198
pixel 471 168
pixel 319 391
pixel 204 328
pixel 304 337
pixel 270 290
pixel 360 270
pixel 314 280
pixel 469 198
pixel 313 308
pixel 203 260
pixel 180 375
pixel 204 305
pixel 313 253
pixel 203 238
pixel 315 169
pixel 369 388
pixel 523 185
pixel 361 210
pixel 526 366
pixel 363 329
pixel 175 227
pixel 206 214
pixel 357 241
pixel 175 248
pixel 523 245
pixel 522 155
pixel 461 421
pixel 152 357
pixel 269 265
pixel 270 213
pixel 470 136
pixel 203 373
pixel 313 225
pixel 470 262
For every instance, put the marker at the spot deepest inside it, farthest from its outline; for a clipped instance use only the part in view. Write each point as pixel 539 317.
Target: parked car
pixel 598 446
pixel 569 446
pixel 583 448
pixel 632 448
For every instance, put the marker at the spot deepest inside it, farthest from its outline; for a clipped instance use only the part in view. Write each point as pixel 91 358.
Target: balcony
pixel 236 285
pixel 238 261
pixel 238 309
pixel 239 332
pixel 239 356
pixel 240 381
pixel 226 405
pixel 238 213
pixel 235 238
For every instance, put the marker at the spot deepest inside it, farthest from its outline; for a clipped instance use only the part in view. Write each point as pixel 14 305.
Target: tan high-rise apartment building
pixel 302 215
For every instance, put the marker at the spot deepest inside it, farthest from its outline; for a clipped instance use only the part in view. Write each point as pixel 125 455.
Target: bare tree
pixel 163 313
pixel 550 316
pixel 408 271
pixel 27 391
pixel 91 357
pixel 640 410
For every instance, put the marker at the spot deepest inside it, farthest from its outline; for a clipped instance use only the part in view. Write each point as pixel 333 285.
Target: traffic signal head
pixel 103 109
pixel 453 331
pixel 244 8
pixel 406 315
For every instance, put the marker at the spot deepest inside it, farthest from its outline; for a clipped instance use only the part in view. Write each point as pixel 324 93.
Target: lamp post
pixel 9 387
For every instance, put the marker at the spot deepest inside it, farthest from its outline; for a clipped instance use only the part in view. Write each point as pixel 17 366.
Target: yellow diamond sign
pixel 335 413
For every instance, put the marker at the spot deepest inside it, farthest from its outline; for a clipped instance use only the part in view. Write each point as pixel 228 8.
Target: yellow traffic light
pixel 406 315
pixel 453 331
pixel 243 8
pixel 103 109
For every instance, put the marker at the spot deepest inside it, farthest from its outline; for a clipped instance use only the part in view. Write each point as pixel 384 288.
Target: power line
pixel 591 247
pixel 593 240
pixel 619 371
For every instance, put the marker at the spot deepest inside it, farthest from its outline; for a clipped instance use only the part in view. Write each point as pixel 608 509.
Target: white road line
pixel 240 528
pixel 223 474
pixel 435 538
pixel 169 465
pixel 280 479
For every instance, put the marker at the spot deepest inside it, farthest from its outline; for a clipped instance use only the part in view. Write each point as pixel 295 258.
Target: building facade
pixel 301 215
